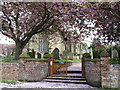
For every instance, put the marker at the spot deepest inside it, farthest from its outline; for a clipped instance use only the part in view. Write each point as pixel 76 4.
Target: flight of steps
pixel 73 77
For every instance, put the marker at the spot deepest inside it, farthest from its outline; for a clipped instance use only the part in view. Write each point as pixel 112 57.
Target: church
pixel 56 46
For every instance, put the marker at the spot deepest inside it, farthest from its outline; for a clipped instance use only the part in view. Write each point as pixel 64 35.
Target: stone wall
pixel 101 73
pixel 92 73
pixel 0 71
pixel 115 76
pixel 28 70
pixel 9 71
pixel 110 74
pixel 32 70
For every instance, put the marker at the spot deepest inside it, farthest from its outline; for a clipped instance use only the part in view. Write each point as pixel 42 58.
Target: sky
pixel 5 40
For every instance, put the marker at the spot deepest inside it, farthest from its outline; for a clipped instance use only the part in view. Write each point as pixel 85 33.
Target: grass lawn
pixel 74 60
pixel 8 81
pixel 8 60
pixel 11 60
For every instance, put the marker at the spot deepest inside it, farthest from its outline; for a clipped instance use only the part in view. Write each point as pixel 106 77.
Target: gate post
pixel 83 68
pixel 51 66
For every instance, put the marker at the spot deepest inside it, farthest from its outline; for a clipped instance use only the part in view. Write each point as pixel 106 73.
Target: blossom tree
pixel 22 20
pixel 106 18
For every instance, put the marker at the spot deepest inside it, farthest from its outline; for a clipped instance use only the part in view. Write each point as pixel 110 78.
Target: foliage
pixel 22 20
pixel 109 49
pixel 106 18
pixel 114 61
pixel 96 59
pixel 97 48
pixel 86 55
pixel 47 56
pixel 118 50
pixel 104 54
pixel 24 55
pixel 8 81
pixel 97 51
pixel 9 59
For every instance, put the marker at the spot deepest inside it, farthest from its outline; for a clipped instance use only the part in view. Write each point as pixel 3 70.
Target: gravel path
pixel 44 85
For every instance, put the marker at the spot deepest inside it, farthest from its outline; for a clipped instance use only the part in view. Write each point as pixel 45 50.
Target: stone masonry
pixel 33 70
pixel 92 73
pixel 28 70
pixel 9 71
pixel 110 74
pixel 101 73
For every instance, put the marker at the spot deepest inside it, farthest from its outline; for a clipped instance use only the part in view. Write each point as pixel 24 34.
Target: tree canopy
pixel 22 20
pixel 106 18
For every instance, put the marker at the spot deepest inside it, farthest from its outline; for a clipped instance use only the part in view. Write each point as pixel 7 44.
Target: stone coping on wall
pixel 92 60
pixel 34 60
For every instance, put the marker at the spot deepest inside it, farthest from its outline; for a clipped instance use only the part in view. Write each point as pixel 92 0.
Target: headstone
pixel 114 53
pixel 65 54
pixel 70 55
pixel 8 52
pixel 36 55
pixel 56 53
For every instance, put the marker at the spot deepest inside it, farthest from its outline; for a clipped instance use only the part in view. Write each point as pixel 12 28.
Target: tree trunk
pixel 18 50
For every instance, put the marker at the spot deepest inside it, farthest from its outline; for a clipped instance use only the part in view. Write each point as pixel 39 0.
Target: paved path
pixel 76 66
pixel 44 85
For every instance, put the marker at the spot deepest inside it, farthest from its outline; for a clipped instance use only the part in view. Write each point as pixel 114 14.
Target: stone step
pixel 66 78
pixel 75 75
pixel 65 81
pixel 74 71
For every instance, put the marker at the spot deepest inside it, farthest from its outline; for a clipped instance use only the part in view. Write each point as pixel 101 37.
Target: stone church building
pixel 56 46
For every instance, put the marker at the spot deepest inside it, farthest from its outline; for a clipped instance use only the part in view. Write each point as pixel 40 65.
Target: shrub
pixel 86 55
pixel 47 56
pixel 104 54
pixel 24 55
pixel 114 61
pixel 10 59
pixel 95 59
pixel 97 49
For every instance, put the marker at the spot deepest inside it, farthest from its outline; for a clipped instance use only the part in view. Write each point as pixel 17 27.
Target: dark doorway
pixel 56 53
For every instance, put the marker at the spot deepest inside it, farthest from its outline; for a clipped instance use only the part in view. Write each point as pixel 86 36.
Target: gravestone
pixel 65 54
pixel 56 53
pixel 114 53
pixel 70 55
